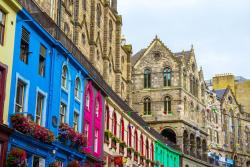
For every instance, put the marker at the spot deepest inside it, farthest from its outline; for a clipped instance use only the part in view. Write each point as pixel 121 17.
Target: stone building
pixel 228 129
pixel 94 26
pixel 169 93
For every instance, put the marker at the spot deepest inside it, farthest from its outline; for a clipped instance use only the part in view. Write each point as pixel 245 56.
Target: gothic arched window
pixel 98 15
pixel 64 77
pixel 147 78
pixel 167 105
pixel 77 88
pixel 147 106
pixel 167 76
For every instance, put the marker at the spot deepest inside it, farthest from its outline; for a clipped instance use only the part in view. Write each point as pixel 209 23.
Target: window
pixel 62 112
pixel 96 141
pixel 216 135
pixel 20 96
pixel 24 53
pixel 167 105
pixel 64 77
pixel 76 121
pixel 83 38
pixel 66 29
pixel 122 129
pixel 152 151
pixel 38 162
pixel 107 117
pixel 2 26
pixel 87 101
pixel 114 123
pixel 110 31
pixel 142 145
pixel 129 135
pixel 84 4
pixel 147 149
pixel 42 59
pixel 77 88
pixel 97 108
pixel 147 78
pixel 86 130
pixel 147 106
pixel 98 15
pixel 39 108
pixel 136 141
pixel 167 76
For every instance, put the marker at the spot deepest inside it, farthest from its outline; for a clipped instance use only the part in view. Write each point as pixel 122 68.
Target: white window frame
pixel 64 120
pixel 76 122
pixel 96 140
pixel 43 114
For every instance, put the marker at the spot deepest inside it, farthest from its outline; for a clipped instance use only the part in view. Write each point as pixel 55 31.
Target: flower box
pixel 107 135
pixel 17 157
pixel 69 137
pixel 28 127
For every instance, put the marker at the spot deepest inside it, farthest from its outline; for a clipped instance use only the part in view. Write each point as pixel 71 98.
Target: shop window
pixel 20 96
pixel 39 108
pixel 42 59
pixel 25 40
pixel 62 112
pixel 38 162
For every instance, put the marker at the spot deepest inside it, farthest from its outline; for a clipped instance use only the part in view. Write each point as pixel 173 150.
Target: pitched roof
pixel 220 93
pixel 137 56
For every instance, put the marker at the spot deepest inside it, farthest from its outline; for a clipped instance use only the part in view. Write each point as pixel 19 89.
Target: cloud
pixel 219 29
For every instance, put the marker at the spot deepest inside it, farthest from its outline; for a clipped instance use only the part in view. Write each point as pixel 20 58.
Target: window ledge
pixel 65 89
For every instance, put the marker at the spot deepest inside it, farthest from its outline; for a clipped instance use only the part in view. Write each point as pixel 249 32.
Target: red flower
pixel 74 163
pixel 17 157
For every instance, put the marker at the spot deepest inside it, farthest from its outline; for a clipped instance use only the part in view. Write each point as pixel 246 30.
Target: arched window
pixel 77 88
pixel 107 117
pixel 110 30
pixel 87 101
pixel 97 107
pixel 147 78
pixel 122 129
pixel 152 151
pixel 129 136
pixel 185 104
pixel 142 145
pixel 147 149
pixel 147 106
pixel 98 15
pixel 136 141
pixel 167 76
pixel 84 5
pixel 64 77
pixel 114 123
pixel 167 105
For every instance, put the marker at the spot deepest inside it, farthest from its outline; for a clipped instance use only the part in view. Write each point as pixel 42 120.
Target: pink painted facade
pixel 93 120
pixel 88 115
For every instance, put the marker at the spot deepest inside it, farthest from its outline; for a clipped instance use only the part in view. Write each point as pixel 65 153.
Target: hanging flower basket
pixel 74 163
pixel 17 158
pixel 28 127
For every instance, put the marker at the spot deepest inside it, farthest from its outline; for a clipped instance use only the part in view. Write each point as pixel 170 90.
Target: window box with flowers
pixel 17 157
pixel 74 163
pixel 142 157
pixel 122 146
pixel 71 138
pixel 157 163
pixel 129 152
pixel 114 141
pixel 28 127
pixel 107 135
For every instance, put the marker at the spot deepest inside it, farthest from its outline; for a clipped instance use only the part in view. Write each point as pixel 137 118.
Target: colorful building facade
pixel 165 156
pixel 8 12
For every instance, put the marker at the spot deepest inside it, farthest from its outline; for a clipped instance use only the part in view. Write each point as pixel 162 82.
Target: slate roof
pixel 220 93
pixel 137 56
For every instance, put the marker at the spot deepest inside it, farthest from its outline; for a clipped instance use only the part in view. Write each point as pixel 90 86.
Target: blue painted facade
pixel 50 87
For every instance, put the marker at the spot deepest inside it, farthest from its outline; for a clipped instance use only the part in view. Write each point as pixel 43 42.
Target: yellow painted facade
pixel 241 90
pixel 10 7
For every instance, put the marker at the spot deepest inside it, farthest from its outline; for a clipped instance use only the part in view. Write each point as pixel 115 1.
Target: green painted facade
pixel 166 156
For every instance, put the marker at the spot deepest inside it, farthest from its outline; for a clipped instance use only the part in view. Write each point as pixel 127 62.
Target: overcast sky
pixel 218 29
